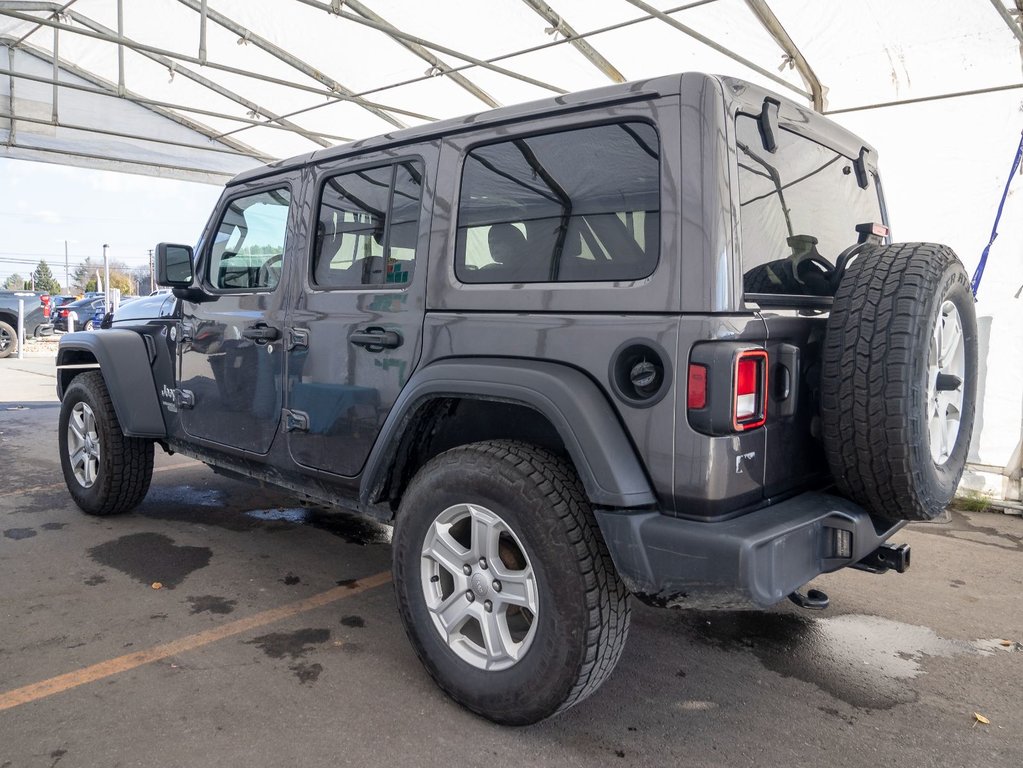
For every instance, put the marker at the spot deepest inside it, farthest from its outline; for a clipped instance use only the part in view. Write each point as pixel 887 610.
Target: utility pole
pixel 152 267
pixel 106 278
pixel 67 272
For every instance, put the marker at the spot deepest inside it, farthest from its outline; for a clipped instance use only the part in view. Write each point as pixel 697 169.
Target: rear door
pixel 232 357
pixel 799 206
pixel 355 330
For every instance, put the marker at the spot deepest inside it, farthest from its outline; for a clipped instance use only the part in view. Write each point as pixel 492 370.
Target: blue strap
pixel 979 273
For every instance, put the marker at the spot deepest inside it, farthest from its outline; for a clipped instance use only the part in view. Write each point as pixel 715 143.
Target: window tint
pixel 570 206
pixel 798 210
pixel 248 248
pixel 368 227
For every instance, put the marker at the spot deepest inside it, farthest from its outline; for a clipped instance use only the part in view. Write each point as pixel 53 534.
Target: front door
pixel 232 356
pixel 355 332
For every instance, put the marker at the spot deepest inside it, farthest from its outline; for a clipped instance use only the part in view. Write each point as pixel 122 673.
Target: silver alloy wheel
pixel 83 444
pixel 946 371
pixel 479 587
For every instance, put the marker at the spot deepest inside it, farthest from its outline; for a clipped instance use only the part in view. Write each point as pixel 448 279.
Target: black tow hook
pixel 813 600
pixel 887 557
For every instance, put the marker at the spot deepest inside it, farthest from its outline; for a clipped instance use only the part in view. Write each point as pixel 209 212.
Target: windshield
pixel 798 210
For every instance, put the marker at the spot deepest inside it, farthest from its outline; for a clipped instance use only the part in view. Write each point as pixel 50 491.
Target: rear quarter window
pixel 573 206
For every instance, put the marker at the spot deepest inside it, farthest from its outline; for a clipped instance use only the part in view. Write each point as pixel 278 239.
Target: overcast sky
pixel 43 205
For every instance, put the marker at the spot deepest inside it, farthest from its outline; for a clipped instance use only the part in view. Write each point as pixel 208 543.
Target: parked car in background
pixel 37 318
pixel 84 313
pixel 56 302
pixel 102 317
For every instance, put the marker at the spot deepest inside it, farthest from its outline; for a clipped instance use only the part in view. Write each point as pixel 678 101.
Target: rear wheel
pixel 900 379
pixel 505 587
pixel 8 340
pixel 105 471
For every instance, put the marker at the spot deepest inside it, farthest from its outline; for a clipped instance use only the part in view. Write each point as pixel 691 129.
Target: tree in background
pixel 14 283
pixel 83 279
pixel 44 280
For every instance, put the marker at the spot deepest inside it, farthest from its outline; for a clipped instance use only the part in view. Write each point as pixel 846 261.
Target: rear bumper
pixel 758 558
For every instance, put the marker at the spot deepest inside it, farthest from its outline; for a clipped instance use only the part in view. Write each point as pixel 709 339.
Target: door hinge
pixel 296 421
pixel 298 337
pixel 184 399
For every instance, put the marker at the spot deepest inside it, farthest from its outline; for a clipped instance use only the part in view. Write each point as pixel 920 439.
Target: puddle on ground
pixel 866 661
pixel 211 604
pixel 19 533
pixel 294 645
pixel 151 557
pixel 354 530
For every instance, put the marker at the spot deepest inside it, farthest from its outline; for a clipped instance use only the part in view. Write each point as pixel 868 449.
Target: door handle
pixel 261 332
pixel 376 339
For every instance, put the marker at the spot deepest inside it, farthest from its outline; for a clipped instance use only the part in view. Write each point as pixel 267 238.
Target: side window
pixel 248 247
pixel 577 205
pixel 368 226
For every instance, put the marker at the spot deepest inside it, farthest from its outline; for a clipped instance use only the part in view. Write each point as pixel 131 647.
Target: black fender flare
pixel 124 361
pixel 594 437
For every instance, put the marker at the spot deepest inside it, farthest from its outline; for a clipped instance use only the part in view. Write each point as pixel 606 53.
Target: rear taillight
pixel 63 312
pixel 696 392
pixel 749 407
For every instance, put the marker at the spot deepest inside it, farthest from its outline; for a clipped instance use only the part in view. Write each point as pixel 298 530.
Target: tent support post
pixel 770 22
pixel 202 33
pixel 10 93
pixel 54 116
pixel 120 48
pixel 587 50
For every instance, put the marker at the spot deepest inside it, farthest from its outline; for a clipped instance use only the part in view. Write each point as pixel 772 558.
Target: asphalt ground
pixel 274 641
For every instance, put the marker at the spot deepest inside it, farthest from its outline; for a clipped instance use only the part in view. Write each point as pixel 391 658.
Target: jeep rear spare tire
pixel 504 584
pixel 899 382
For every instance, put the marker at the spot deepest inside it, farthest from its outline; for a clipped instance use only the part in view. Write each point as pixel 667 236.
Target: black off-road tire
pixel 8 340
pixel 875 379
pixel 125 463
pixel 583 606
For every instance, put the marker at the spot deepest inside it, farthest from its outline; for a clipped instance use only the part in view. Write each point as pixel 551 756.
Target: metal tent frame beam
pixel 770 22
pixel 108 89
pixel 423 53
pixel 1015 26
pixel 560 25
pixel 398 35
pixel 672 22
pixel 291 60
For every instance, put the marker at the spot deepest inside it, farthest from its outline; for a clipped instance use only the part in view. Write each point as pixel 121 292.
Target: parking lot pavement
pixel 273 641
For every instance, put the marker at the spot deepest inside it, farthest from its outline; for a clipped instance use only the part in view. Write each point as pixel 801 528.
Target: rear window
pixel 578 205
pixel 798 210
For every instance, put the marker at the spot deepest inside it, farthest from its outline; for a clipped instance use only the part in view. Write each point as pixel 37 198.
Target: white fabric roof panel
pixel 283 77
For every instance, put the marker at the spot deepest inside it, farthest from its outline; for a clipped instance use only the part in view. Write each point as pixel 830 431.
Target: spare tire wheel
pixel 899 382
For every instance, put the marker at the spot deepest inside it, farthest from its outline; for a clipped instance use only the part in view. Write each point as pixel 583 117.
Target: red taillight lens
pixel 750 405
pixel 696 392
pixel 63 313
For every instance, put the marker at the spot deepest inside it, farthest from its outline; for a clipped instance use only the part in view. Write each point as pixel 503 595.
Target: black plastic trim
pixel 124 362
pixel 580 412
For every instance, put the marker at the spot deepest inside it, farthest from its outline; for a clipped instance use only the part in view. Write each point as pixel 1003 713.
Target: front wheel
pixel 504 584
pixel 105 471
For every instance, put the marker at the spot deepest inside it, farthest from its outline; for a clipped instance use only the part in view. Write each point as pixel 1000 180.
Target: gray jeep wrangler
pixel 651 339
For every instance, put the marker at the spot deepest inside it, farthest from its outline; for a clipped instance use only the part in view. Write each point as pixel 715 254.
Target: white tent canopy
pixel 231 80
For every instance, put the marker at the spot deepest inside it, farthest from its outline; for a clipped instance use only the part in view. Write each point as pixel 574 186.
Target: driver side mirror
pixel 174 265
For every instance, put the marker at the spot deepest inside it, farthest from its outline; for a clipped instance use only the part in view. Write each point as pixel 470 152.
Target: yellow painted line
pixel 54 486
pixel 90 674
